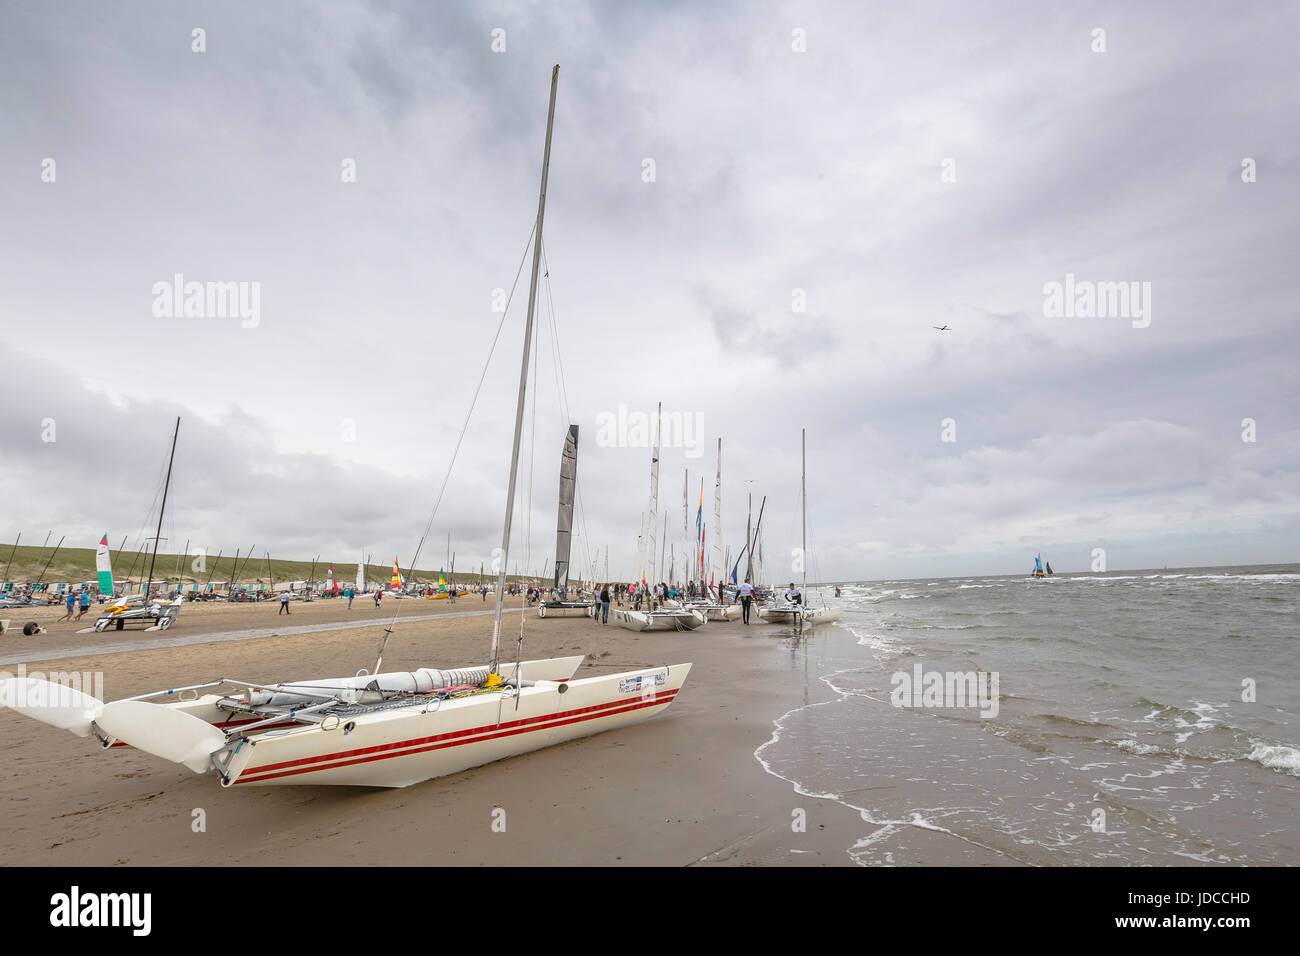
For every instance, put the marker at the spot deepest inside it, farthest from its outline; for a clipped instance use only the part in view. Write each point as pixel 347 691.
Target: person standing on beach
pixel 604 604
pixel 284 603
pixel 84 605
pixel 746 593
pixel 70 601
pixel 379 596
pixel 347 593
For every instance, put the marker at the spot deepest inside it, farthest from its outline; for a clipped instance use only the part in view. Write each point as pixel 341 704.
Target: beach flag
pixel 103 569
pixel 398 582
pixel 442 583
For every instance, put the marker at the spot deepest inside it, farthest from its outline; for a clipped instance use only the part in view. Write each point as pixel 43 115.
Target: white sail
pixel 103 568
pixel 361 576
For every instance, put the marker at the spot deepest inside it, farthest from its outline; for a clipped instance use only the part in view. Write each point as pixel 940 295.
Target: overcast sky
pixel 888 167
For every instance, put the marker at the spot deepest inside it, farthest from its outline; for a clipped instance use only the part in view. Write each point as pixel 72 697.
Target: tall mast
pixel 749 535
pixel 663 559
pixel 803 497
pixel 11 556
pixel 652 514
pixel 718 559
pixel 686 483
pixel 523 378
pixel 163 508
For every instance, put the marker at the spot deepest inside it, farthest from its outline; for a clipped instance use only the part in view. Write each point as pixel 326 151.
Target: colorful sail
pixel 698 573
pixel 103 567
pixel 398 582
pixel 331 586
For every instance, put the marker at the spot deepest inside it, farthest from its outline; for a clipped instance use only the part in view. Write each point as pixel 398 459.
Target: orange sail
pixel 398 583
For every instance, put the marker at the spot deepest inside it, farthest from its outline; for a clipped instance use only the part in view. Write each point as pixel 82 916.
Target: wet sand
pixel 681 789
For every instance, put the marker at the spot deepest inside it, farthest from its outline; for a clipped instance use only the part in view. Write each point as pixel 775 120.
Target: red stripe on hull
pixel 454 739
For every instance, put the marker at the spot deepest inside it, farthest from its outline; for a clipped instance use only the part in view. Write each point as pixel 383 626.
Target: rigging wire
pixel 563 396
pixel 465 427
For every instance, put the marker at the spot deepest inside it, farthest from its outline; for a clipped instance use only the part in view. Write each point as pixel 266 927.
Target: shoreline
pixel 684 788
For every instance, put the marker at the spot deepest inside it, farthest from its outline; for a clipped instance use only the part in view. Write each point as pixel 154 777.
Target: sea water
pixel 1141 718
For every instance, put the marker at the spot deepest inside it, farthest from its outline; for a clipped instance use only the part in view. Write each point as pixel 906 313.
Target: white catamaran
pixel 374 730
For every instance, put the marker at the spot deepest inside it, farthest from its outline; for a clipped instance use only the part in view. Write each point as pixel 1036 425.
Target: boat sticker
pixel 636 685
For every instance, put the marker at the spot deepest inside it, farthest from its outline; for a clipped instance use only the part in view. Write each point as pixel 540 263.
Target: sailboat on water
pixel 1038 566
pixel 389 729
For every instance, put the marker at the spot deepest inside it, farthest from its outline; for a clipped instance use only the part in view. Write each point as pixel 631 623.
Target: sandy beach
pixel 681 789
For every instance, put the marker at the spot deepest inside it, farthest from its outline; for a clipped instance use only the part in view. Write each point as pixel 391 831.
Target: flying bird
pixel 941 328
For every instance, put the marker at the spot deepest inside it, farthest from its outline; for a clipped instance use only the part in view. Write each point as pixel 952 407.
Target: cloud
pixel 776 171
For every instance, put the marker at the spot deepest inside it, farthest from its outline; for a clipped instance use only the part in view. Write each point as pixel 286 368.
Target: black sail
pixel 564 524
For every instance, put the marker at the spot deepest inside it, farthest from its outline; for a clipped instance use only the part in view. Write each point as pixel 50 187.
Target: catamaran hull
pixel 156 617
pixel 779 615
pixel 821 615
pixel 564 609
pixel 656 621
pixel 402 747
pixel 721 612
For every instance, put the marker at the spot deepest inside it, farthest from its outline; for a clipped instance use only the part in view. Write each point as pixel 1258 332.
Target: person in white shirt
pixel 792 594
pixel 284 603
pixel 746 592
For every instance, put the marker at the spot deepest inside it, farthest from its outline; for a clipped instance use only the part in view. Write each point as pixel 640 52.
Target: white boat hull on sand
pixel 407 745
pixel 564 609
pixel 717 612
pixel 679 620
pixel 821 615
pixel 384 741
pixel 779 613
